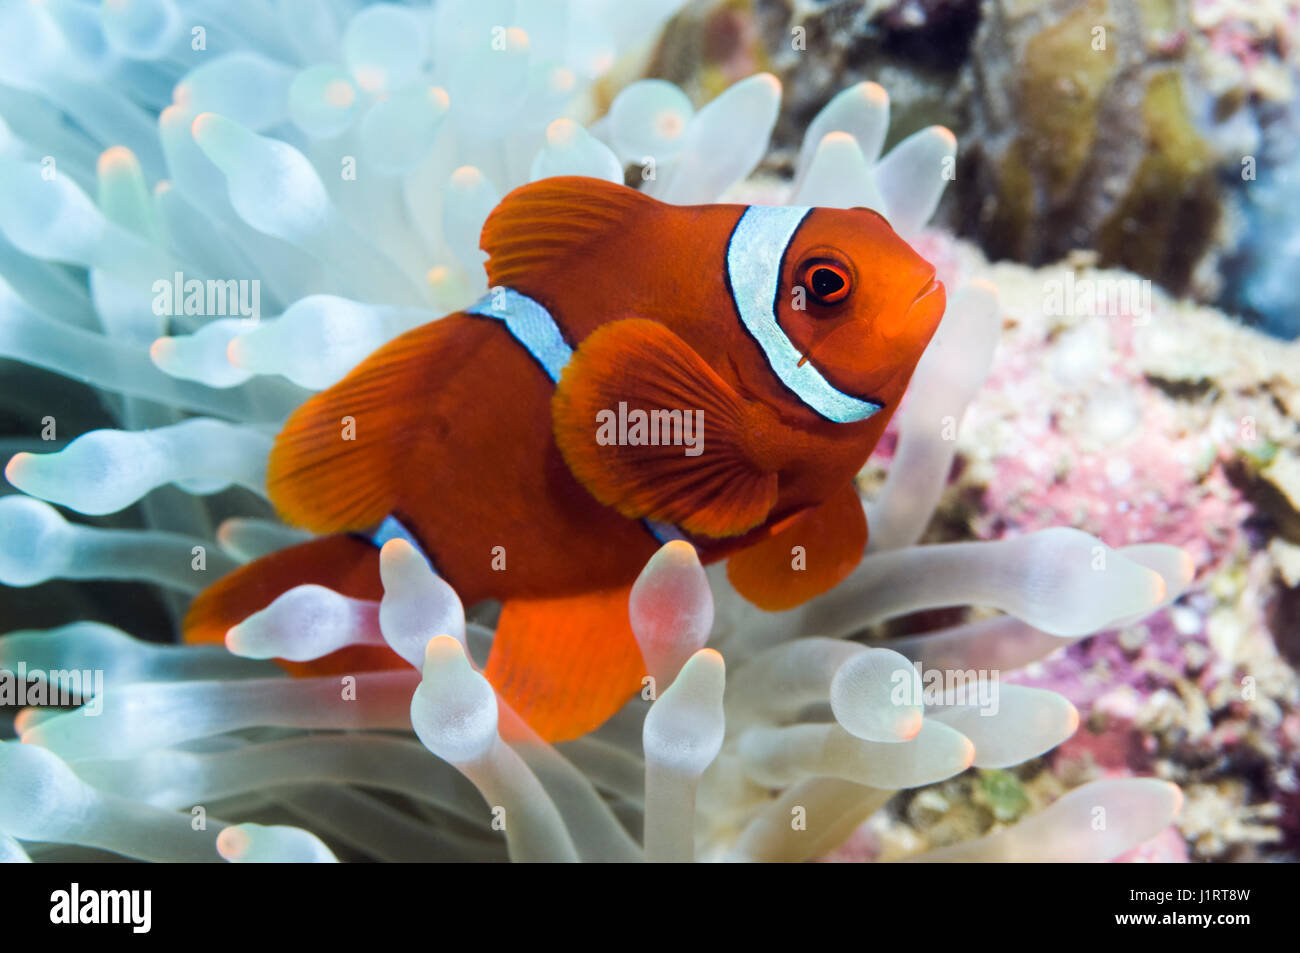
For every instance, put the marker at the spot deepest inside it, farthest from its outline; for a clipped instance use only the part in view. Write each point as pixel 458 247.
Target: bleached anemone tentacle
pixel 571 150
pixel 11 852
pixel 251 843
pixel 860 112
pixel 173 778
pixel 43 800
pixel 778 757
pixel 454 713
pixel 245 538
pixel 107 470
pixel 597 833
pixel 840 176
pixel 37 543
pixel 912 177
pixel 319 339
pixel 671 610
pixel 1060 580
pixel 307 622
pixel 806 820
pixel 1091 823
pixel 276 190
pixel 121 658
pixel 944 383
pixel 684 731
pixel 146 715
pixel 365 823
pixel 722 144
pixel 1022 723
pixel 124 368
pixel 417 604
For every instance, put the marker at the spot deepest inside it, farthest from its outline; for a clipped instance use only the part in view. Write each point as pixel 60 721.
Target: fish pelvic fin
pixel 805 556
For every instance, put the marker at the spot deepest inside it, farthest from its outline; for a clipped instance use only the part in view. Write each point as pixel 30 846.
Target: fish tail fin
pixel 345 563
pixel 566 664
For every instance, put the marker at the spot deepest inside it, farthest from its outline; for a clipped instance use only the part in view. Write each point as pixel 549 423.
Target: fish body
pixel 639 372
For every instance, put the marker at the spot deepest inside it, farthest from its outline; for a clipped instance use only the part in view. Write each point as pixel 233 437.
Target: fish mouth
pixel 928 288
pixel 925 300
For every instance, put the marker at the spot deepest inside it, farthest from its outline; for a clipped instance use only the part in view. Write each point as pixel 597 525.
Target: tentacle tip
pixel 874 93
pixel 837 137
pixel 235 351
pixel 910 724
pixel 1178 798
pixel 161 349
pixel 517 39
pixel 680 552
pixel 14 468
pixel 25 720
pixel 396 553
pixel 202 125
pixel 770 81
pixel 710 657
pixel 233 843
pixel 115 159
pixel 1072 721
pixel 235 641
pixel 1159 589
pixel 340 94
pixel 562 132
pixel 466 177
pixel 967 753
pixel 170 115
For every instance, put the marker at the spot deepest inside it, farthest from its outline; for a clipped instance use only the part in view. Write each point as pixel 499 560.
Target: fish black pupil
pixel 826 282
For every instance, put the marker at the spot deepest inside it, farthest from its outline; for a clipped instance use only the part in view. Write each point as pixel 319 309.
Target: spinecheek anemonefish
pixel 505 440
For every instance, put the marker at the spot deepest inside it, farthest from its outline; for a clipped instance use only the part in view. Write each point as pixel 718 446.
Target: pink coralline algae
pixel 1091 418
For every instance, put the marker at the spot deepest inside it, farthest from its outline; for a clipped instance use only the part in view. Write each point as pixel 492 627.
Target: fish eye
pixel 827 281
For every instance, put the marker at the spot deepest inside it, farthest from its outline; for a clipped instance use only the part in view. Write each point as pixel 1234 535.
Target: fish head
pixel 859 303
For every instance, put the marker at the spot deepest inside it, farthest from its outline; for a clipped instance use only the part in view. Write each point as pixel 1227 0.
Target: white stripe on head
pixel 754 257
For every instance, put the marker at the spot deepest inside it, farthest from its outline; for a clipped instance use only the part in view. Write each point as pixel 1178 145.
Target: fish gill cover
pixel 208 212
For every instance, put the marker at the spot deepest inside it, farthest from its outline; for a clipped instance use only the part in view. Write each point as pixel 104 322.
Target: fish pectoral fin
pixel 634 381
pixel 806 557
pixel 566 664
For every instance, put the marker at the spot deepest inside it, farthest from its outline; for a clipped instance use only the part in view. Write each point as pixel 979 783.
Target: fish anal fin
pixel 643 367
pixel 566 664
pixel 541 224
pixel 805 557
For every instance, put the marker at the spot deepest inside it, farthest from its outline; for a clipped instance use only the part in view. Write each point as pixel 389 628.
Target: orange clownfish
pixel 639 372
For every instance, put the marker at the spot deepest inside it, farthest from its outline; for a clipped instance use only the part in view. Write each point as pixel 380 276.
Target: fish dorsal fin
pixel 541 224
